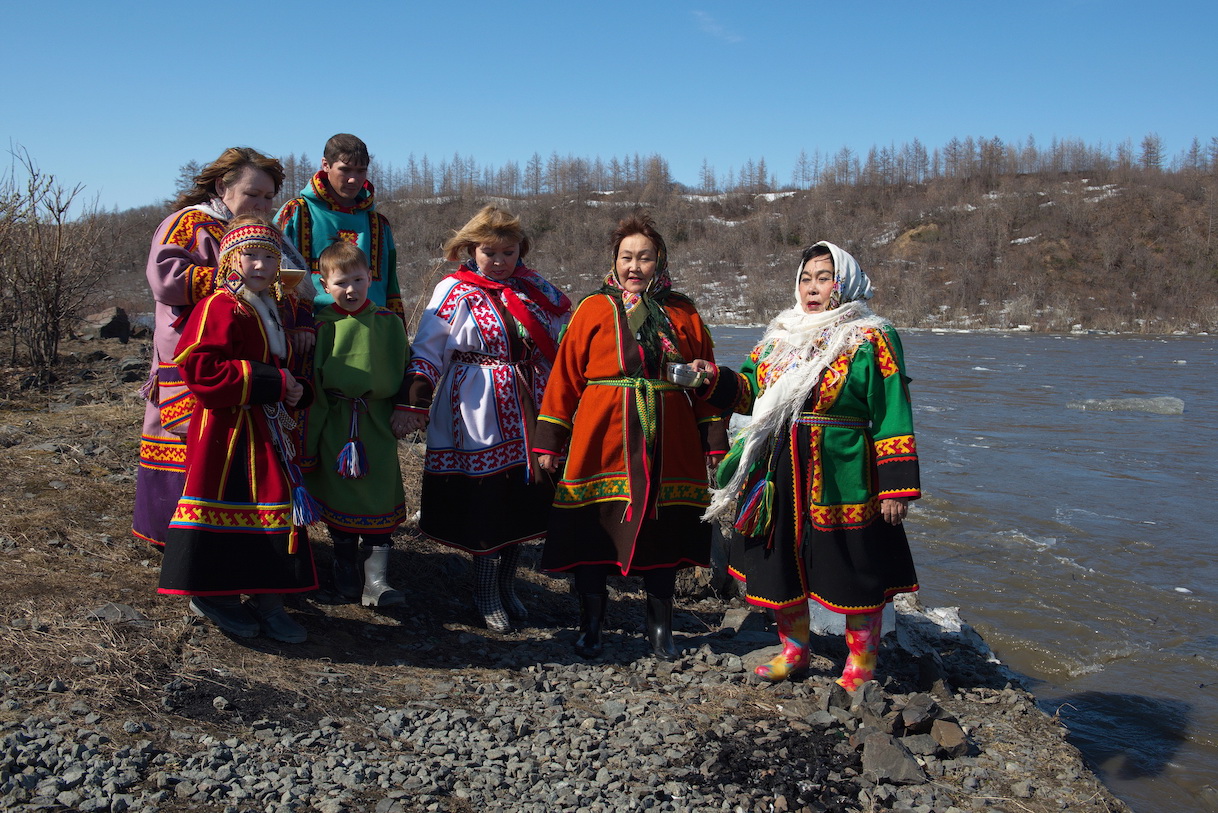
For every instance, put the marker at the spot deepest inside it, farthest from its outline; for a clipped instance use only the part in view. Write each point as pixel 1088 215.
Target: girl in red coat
pixel 232 533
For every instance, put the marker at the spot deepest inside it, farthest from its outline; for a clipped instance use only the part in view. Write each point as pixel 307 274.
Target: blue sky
pixel 118 100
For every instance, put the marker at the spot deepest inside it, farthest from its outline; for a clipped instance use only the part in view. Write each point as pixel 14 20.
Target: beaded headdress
pixel 242 238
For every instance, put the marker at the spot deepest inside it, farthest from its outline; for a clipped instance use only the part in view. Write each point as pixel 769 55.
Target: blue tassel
pixel 305 510
pixel 352 461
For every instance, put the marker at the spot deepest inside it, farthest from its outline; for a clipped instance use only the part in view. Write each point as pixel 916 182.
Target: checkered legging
pixel 486 591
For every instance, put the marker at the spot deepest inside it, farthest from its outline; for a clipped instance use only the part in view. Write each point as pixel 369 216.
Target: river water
pixel 1070 492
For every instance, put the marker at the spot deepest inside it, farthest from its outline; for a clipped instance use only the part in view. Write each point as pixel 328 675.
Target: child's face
pixel 497 260
pixel 349 288
pixel 345 179
pixel 259 267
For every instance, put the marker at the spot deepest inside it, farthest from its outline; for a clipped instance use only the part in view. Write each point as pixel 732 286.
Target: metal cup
pixel 683 375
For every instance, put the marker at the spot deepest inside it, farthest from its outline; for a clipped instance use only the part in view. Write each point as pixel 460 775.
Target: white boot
pixel 377 591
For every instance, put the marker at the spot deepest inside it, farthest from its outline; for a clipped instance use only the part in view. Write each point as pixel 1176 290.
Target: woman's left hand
pixel 895 510
pixel 713 460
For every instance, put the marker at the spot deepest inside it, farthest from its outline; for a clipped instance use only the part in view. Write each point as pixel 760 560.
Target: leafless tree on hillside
pixel 54 257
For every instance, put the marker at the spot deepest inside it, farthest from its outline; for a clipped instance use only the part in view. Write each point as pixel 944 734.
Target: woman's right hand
pixel 548 462
pixel 413 422
pixel 703 366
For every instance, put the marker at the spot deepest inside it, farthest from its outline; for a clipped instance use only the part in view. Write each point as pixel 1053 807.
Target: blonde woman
pixel 479 365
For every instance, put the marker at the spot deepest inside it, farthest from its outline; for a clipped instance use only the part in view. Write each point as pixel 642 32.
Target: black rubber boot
pixel 659 628
pixel 591 622
pixel 227 613
pixel 509 557
pixel 348 576
pixel 274 620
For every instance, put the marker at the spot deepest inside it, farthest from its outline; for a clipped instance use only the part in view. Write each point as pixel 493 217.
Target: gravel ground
pixel 541 735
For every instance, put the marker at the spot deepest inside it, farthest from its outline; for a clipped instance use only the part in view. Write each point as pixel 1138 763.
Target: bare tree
pixel 53 255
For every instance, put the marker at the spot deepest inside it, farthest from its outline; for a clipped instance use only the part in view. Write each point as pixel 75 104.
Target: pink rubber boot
pixel 863 641
pixel 792 662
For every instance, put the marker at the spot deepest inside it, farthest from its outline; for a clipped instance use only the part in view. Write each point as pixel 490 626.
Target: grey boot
pixel 377 591
pixel 274 620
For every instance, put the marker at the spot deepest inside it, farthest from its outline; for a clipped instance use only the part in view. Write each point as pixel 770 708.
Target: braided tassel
pixel 352 460
pixel 305 510
pixel 352 463
pixel 756 509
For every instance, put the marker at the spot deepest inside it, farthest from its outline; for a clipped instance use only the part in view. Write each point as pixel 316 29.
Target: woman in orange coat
pixel 635 481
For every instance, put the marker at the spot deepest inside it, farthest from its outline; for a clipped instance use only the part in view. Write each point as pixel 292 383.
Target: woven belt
pixel 645 390
pixel 480 359
pixel 817 419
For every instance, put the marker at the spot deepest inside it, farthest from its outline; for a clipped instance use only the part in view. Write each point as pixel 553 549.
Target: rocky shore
pixel 112 698
pixel 525 727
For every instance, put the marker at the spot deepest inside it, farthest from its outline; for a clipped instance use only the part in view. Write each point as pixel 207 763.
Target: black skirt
pixel 848 570
pixel 484 514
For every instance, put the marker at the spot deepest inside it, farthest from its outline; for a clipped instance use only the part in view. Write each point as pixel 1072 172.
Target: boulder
pixel 886 760
pixel 951 738
pixel 108 324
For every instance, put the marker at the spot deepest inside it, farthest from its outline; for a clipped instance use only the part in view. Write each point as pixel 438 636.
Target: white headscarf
pixel 804 345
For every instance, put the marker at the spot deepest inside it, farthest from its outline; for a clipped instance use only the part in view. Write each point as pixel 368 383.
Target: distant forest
pixel 976 233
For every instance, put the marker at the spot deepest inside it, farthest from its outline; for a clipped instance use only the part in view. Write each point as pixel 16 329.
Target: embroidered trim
pixel 232 517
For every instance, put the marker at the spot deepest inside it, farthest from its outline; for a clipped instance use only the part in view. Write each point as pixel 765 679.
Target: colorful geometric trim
pixel 835 517
pixel 477 462
pixel 162 454
pixel 185 229
pixel 202 283
pixel 615 486
pixel 899 448
pixel 298 209
pixel 832 381
pixel 359 523
pixel 232 517
pixel 848 609
pixel 393 303
pixel 423 367
pixel 758 601
pixel 322 189
pixel 884 357
pixel 376 248
pixel 844 609
pixel 177 408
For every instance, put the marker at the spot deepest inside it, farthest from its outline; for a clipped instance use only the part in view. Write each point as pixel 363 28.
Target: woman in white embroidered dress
pixel 479 364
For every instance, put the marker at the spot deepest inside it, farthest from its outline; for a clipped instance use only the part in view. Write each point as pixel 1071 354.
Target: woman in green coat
pixel 820 481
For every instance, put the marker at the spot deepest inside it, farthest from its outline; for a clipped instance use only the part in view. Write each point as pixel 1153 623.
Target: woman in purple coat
pixel 181 272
